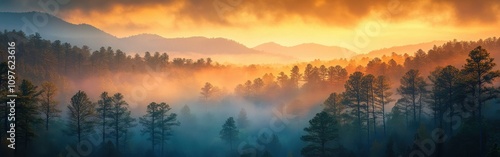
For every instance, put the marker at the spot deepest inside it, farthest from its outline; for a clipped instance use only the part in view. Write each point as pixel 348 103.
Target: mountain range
pixel 220 49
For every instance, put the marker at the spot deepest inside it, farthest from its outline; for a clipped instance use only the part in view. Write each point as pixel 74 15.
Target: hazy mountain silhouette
pixel 84 34
pixel 54 28
pixel 408 49
pixel 190 44
pixel 220 49
pixel 308 51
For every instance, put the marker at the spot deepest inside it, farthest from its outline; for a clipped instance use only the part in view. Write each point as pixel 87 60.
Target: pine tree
pixel 104 105
pixel 150 122
pixel 242 120
pixel 311 76
pixel 81 115
pixel 321 133
pixel 48 103
pixel 158 124
pixel 479 69
pixel 186 116
pixel 119 118
pixel 447 87
pixel 166 123
pixel 354 95
pixel 438 102
pixel 323 73
pixel 383 96
pixel 27 112
pixel 229 132
pixel 369 97
pixel 207 91
pixel 295 77
pixel 410 89
pixel 333 106
pixel 336 76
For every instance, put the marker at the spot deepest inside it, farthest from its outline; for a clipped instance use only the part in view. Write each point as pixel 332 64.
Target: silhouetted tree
pixel 150 123
pixel 229 132
pixel 336 76
pixel 103 109
pixel 242 119
pixel 321 133
pixel 334 106
pixel 119 119
pixel 383 95
pixel 166 121
pixel 323 75
pixel 81 115
pixel 295 77
pixel 186 116
pixel 369 97
pixel 446 88
pixel 354 95
pixel 207 91
pixel 411 83
pixel 311 76
pixel 26 112
pixel 157 123
pixel 479 67
pixel 48 103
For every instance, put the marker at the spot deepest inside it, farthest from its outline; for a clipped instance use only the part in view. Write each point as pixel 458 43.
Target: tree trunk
pixel 323 149
pixel 383 111
pixel 367 108
pixel 104 124
pixel 47 114
pixel 117 133
pixel 480 113
pixel 419 107
pixel 414 108
pixel 162 133
pixel 374 116
pixel 26 134
pixel 153 132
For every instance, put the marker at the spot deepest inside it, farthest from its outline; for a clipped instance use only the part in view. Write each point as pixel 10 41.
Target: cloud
pixel 343 13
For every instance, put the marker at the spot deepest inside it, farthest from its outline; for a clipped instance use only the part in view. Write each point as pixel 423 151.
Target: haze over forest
pixel 257 79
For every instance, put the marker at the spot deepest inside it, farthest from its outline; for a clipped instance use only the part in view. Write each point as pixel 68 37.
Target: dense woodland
pixel 440 102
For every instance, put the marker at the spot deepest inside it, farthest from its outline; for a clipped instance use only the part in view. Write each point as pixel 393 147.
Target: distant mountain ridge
pixel 307 51
pixel 220 49
pixel 54 28
pixel 84 34
pixel 408 49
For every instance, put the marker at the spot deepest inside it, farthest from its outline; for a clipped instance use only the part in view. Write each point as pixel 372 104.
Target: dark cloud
pixel 331 12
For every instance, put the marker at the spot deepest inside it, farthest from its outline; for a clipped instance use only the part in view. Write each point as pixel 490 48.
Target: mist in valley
pixel 208 108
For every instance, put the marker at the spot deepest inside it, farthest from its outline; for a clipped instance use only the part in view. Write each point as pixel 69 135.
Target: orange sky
pixel 361 25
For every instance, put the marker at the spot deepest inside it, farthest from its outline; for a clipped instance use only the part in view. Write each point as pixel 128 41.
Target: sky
pixel 360 25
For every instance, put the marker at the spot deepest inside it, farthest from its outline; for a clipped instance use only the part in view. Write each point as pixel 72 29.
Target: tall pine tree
pixel 120 119
pixel 321 133
pixel 27 112
pixel 103 107
pixel 479 69
pixel 383 95
pixel 81 115
pixel 48 103
pixel 229 133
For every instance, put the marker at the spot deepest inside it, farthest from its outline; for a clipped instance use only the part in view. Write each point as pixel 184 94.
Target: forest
pixel 74 101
